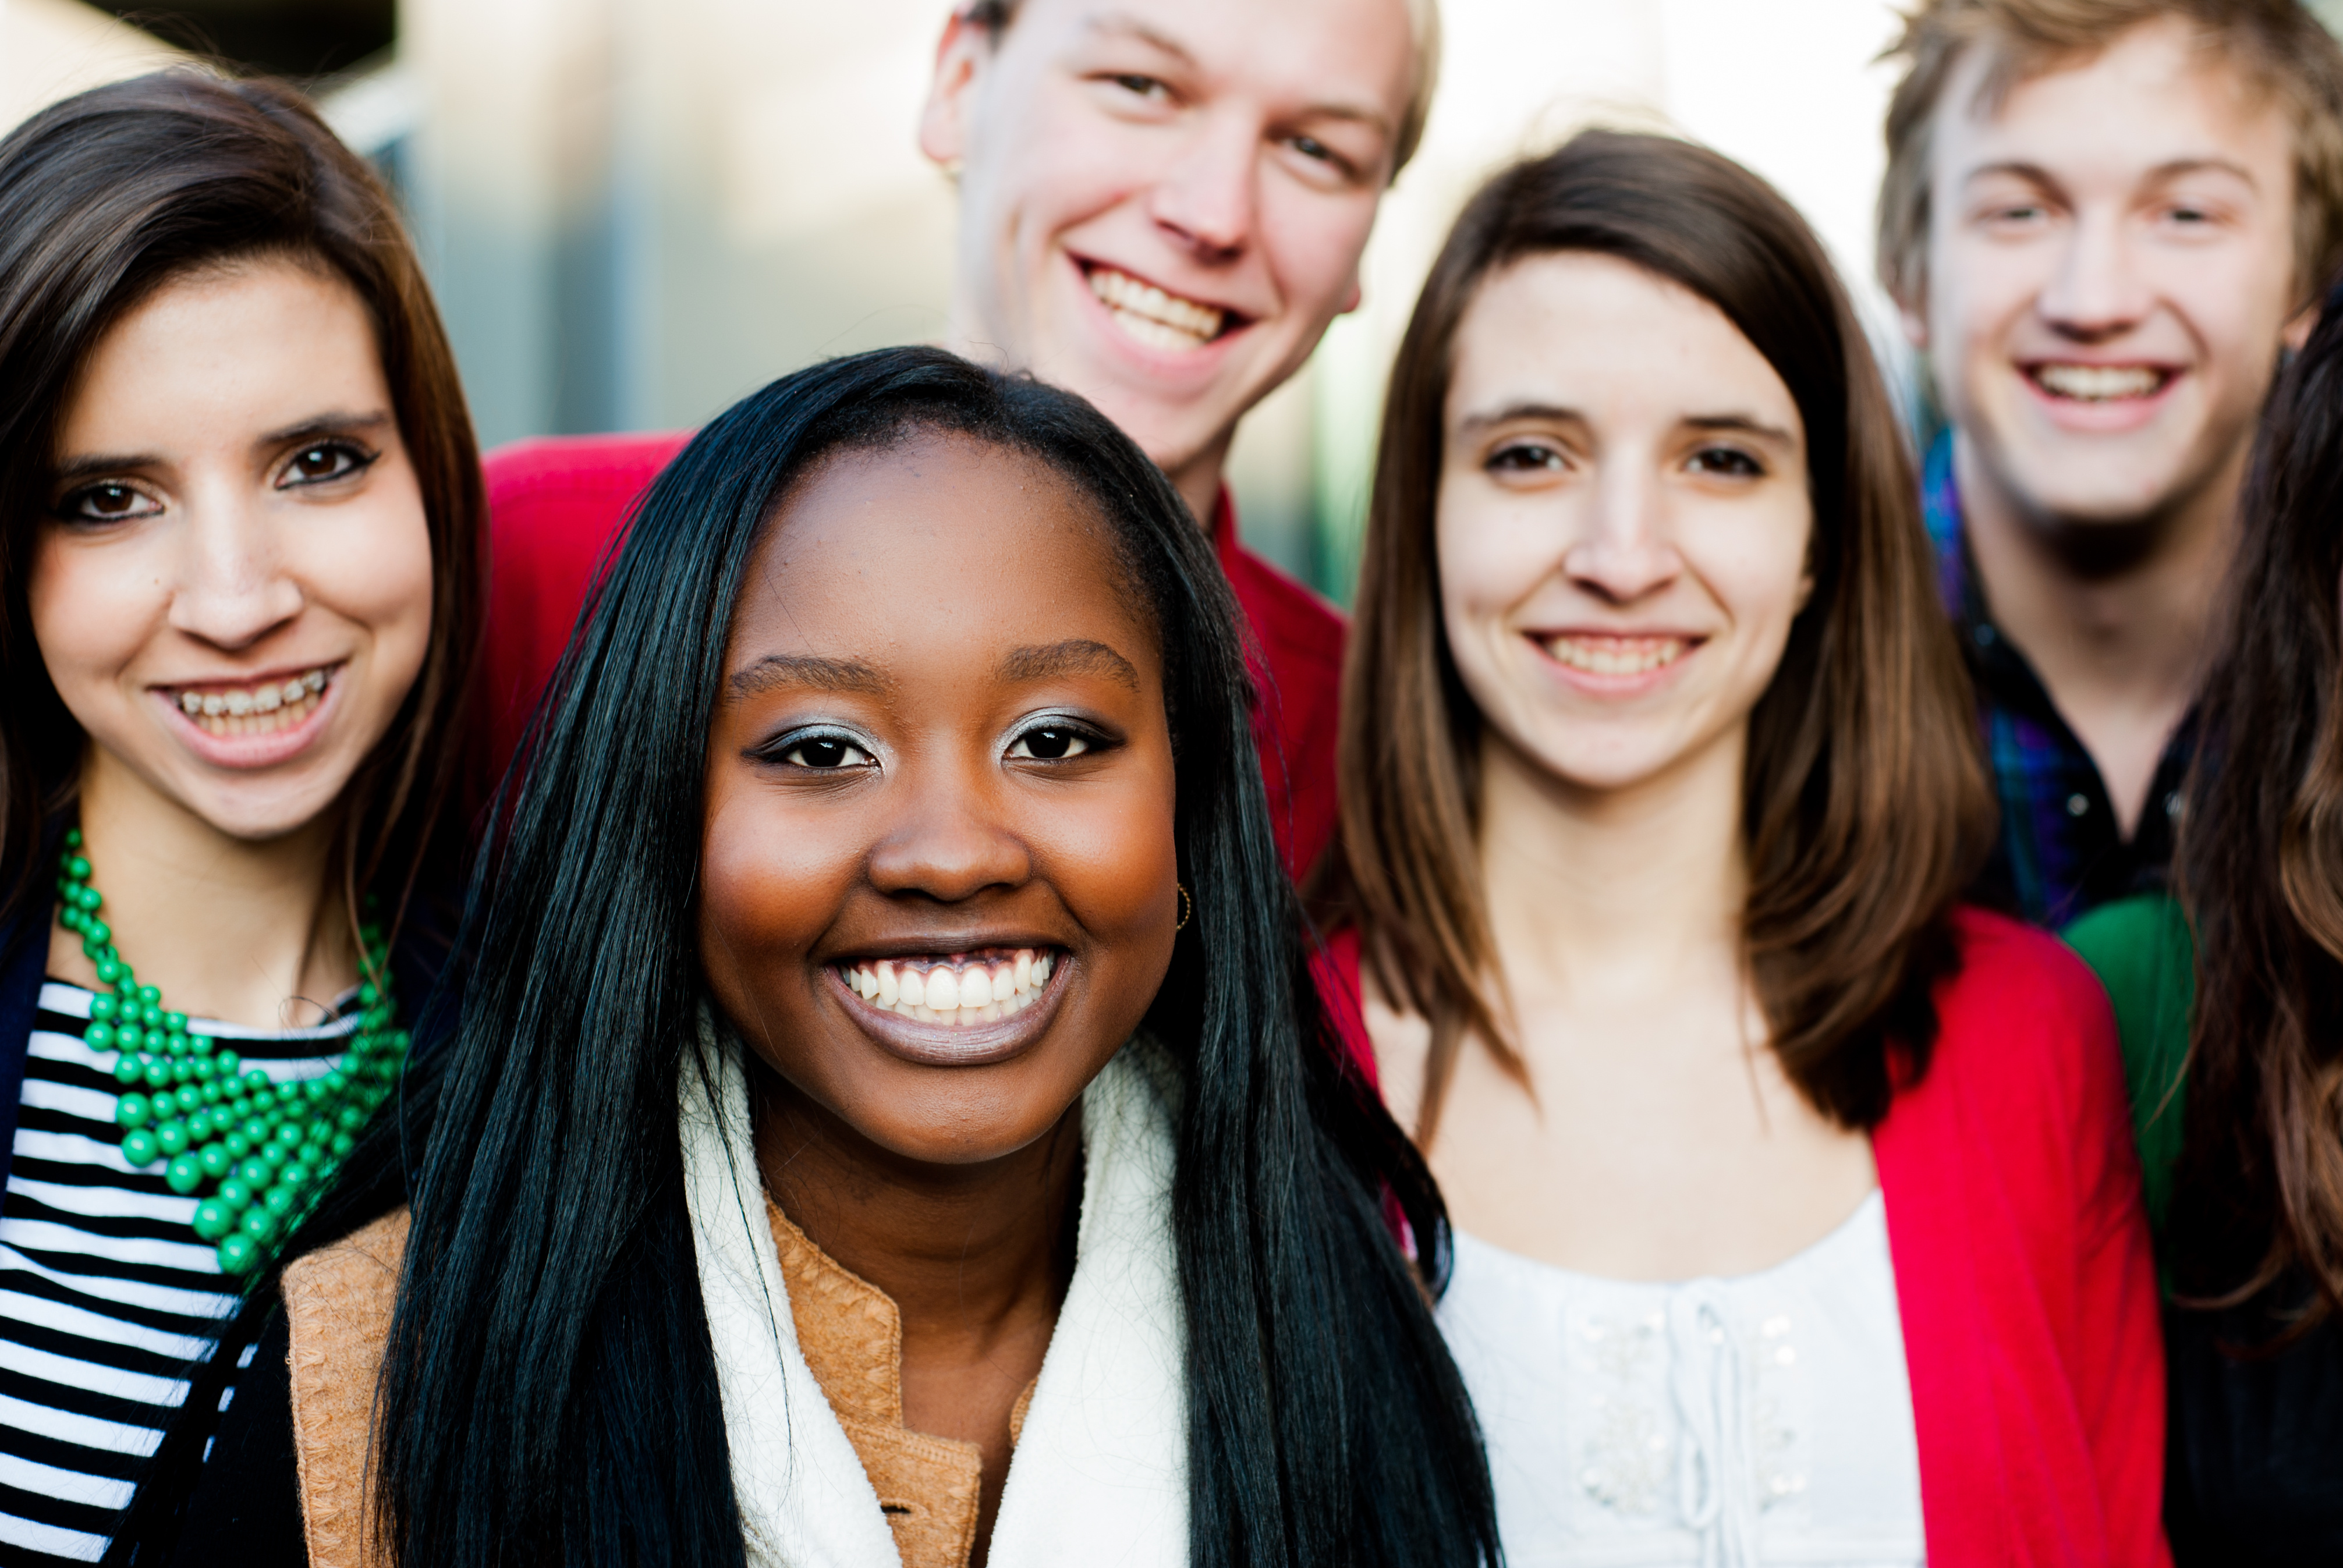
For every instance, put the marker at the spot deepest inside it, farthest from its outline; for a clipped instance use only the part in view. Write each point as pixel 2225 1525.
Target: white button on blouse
pixel 1765 1419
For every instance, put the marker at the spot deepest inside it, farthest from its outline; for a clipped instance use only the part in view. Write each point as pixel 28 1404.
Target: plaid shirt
pixel 2060 852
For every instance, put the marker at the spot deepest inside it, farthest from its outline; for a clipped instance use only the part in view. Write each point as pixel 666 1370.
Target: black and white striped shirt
pixel 105 1290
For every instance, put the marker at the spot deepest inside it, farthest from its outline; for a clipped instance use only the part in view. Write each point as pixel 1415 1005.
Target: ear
pixel 1350 300
pixel 2297 331
pixel 1913 315
pixel 962 54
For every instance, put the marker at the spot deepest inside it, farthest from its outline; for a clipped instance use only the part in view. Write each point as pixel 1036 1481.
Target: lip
pixel 248 752
pixel 1615 687
pixel 956 1045
pixel 2112 417
pixel 1199 365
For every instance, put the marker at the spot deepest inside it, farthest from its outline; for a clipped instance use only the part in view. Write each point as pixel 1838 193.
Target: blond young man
pixel 2104 222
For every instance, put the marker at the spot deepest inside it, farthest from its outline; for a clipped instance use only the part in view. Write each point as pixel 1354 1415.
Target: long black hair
pixel 2259 1195
pixel 550 1391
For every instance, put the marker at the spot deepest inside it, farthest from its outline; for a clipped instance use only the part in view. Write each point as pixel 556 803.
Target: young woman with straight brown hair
pixel 241 510
pixel 1794 1215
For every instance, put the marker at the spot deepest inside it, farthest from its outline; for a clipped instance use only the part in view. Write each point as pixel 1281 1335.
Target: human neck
pixel 1598 892
pixel 967 1253
pixel 2115 617
pixel 224 927
pixel 1197 477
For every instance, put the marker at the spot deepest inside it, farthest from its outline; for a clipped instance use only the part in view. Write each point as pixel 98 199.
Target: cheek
pixel 94 610
pixel 376 572
pixel 1755 566
pixel 1491 554
pixel 768 885
pixel 1311 242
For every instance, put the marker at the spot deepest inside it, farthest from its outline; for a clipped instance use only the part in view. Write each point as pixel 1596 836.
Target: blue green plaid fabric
pixel 2061 851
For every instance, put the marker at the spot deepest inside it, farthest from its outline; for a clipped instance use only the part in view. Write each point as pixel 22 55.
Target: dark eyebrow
pixel 1554 413
pixel 1744 425
pixel 1550 413
pixel 809 670
pixel 324 425
pixel 317 429
pixel 1075 656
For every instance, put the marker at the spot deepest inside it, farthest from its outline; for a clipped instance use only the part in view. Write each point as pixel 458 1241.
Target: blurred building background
pixel 634 211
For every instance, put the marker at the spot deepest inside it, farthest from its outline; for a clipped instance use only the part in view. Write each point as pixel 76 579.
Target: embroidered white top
pixel 1724 1422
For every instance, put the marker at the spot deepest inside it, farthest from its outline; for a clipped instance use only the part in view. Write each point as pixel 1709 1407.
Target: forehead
pixel 266 340
pixel 938 552
pixel 1354 53
pixel 1600 335
pixel 2157 97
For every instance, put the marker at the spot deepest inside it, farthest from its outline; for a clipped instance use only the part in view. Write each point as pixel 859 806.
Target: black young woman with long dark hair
pixel 2230 1002
pixel 895 814
pixel 240 597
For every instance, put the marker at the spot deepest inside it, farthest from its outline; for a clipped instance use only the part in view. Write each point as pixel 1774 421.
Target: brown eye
pixel 109 502
pixel 1526 457
pixel 1727 462
pixel 1051 743
pixel 826 753
pixel 324 463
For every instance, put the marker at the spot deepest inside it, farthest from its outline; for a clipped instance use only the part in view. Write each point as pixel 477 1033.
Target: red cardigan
pixel 556 503
pixel 2022 1264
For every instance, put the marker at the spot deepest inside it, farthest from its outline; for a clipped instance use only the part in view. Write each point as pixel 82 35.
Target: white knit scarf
pixel 1100 1472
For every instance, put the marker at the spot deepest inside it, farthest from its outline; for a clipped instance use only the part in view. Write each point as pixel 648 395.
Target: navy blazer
pixel 24 963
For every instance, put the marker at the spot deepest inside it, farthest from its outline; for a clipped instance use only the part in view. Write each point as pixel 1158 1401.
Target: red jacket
pixel 556 503
pixel 2021 1265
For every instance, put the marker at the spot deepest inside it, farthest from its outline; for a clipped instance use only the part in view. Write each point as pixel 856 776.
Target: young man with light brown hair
pixel 2104 223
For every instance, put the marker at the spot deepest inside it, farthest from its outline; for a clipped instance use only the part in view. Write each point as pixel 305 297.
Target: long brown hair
pixel 2260 1193
pixel 1865 808
pixel 103 198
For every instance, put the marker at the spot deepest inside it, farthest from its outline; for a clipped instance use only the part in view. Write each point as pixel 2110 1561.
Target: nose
pixel 233 588
pixel 1206 202
pixel 1621 552
pixel 948 840
pixel 2095 291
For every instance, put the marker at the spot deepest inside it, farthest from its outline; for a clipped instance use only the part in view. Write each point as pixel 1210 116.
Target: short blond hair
pixel 2278 45
pixel 1424 20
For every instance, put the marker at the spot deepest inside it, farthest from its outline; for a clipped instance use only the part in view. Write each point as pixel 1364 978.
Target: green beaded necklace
pixel 266 1151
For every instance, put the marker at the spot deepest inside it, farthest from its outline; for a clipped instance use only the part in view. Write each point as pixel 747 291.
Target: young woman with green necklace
pixel 242 519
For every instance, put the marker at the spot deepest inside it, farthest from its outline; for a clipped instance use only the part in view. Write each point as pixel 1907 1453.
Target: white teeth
pixel 956 993
pixel 2098 383
pixel 256 710
pixel 1157 319
pixel 1616 654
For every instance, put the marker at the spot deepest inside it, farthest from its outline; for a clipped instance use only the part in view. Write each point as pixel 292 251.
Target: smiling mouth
pixel 1154 317
pixel 2100 382
pixel 955 990
pixel 218 708
pixel 1615 654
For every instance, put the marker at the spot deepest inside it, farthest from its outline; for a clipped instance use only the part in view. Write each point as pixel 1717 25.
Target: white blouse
pixel 1765 1419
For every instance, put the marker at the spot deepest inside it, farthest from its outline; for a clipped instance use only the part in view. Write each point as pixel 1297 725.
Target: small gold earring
pixel 1187 908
